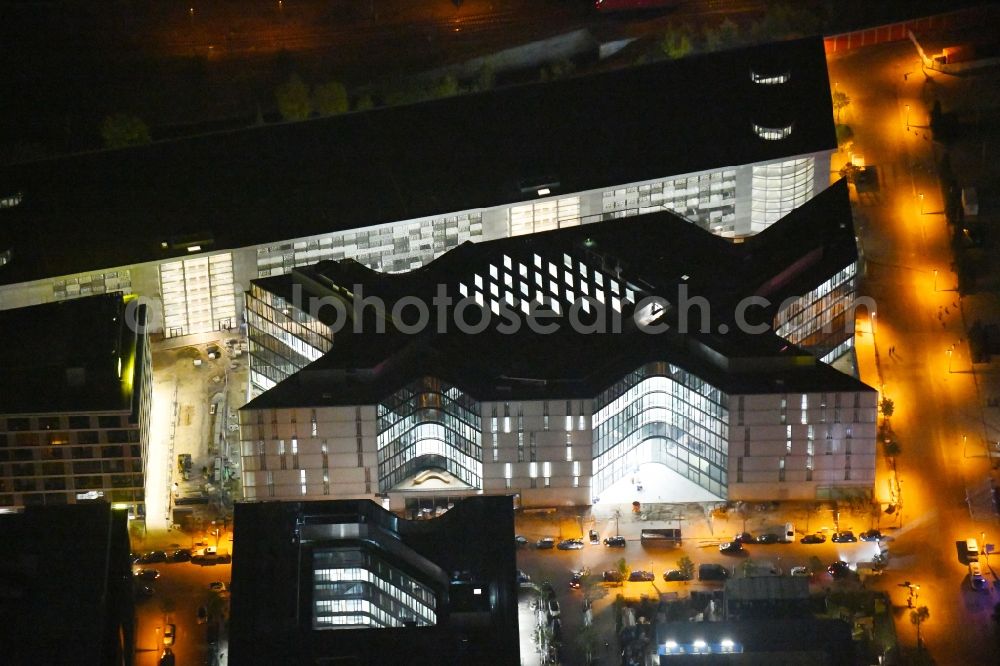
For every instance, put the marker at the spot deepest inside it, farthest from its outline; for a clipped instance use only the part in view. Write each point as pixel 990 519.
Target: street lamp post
pixel 921 195
pixel 949 358
pixel 935 279
pixel 907 117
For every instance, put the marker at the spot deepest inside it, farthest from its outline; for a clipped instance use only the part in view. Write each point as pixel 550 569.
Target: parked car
pixel 843 537
pixel 217 587
pixel 545 543
pixel 871 535
pixel 612 576
pixel 675 575
pixel 202 614
pixel 800 571
pixel 615 542
pixel 147 574
pixel 839 569
pixel 745 537
pixel 976 580
pixel 570 544
pixel 641 577
pixel 180 555
pixel 813 538
pixel 712 572
pixel 595 538
pixel 153 557
pixel 574 581
pixel 520 541
pixel 553 608
pixel 768 538
pixel 731 547
pixel 169 633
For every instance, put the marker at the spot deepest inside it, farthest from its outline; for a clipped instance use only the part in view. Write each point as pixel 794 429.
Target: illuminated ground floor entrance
pixel 655 482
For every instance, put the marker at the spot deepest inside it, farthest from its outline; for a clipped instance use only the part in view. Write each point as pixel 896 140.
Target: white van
pixel 971 550
pixel 789 533
pixel 976 580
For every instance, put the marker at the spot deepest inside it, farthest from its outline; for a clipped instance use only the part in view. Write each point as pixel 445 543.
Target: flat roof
pixel 805 641
pixel 267 184
pixel 65 584
pixel 64 356
pixel 658 254
pixel 274 542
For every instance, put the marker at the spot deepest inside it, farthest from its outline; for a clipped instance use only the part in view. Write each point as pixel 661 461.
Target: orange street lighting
pixel 949 357
pixel 907 116
pixel 921 195
pixel 935 279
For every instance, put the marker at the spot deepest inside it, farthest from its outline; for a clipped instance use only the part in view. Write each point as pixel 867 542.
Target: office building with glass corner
pixel 188 224
pixel 348 581
pixel 662 376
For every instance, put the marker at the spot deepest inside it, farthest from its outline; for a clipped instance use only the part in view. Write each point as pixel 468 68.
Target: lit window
pixel 538 262
pixel 493 272
pixel 770 80
pixel 569 453
pixel 522 270
pixel 576 468
pixel 772 133
pixel 479 282
pixel 507 263
pixel 547 469
pixel 583 270
pixel 508 471
pixel 463 290
pixel 533 470
pixel 508 280
pixel 553 271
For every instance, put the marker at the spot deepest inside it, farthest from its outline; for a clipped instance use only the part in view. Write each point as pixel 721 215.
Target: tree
pixel 331 99
pixel 623 568
pixel 676 43
pixel 586 639
pixel 892 448
pixel 293 99
pixel 120 130
pixel 726 35
pixel 815 564
pixel 783 20
pixel 686 566
pixel 840 102
pixel 744 511
pixel 364 102
pixel 446 87
pixel 887 407
pixel 747 567
pixel 918 617
pixel 844 134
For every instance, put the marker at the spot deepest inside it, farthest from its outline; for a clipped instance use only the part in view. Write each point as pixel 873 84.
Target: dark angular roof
pixel 658 254
pixel 64 356
pixel 271 619
pixel 261 185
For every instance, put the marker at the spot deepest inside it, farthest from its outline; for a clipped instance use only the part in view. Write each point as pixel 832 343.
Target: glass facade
pixel 660 413
pixel 708 200
pixel 777 189
pixel 817 320
pixel 390 248
pixel 429 424
pixel 543 216
pixel 198 295
pixel 353 587
pixel 94 283
pixel 283 338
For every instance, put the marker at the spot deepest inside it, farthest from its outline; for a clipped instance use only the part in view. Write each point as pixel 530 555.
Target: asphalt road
pixel 179 591
pixel 938 415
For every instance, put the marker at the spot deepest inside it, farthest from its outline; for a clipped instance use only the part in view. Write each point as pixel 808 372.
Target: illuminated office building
pixel 74 403
pixel 415 410
pixel 189 224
